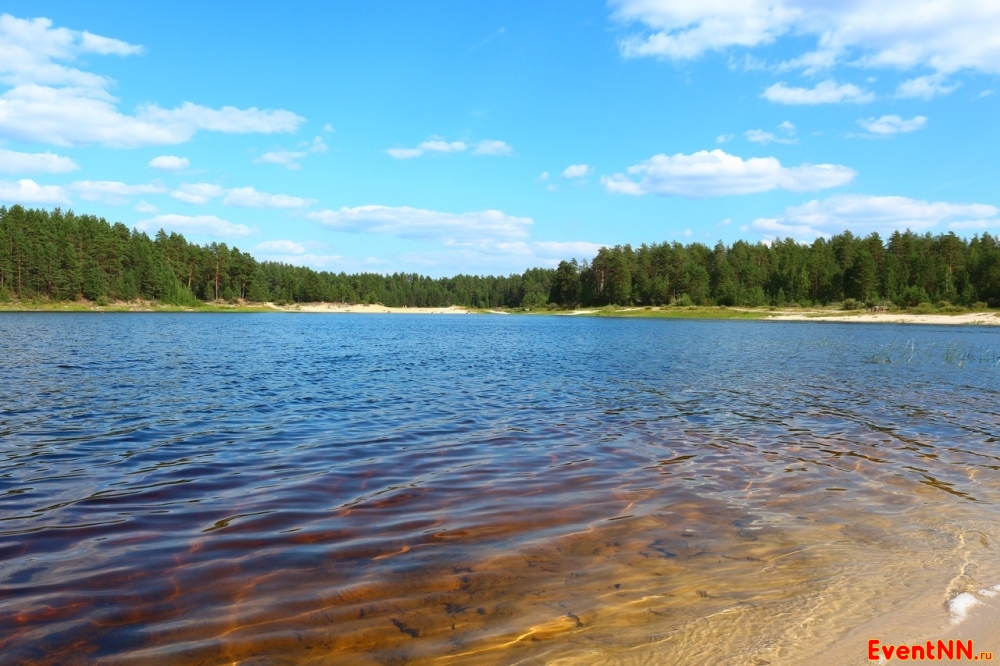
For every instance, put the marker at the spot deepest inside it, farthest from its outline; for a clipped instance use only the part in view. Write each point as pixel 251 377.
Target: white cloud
pixel 722 138
pixel 577 171
pixel 542 177
pixel 492 147
pixel 864 214
pixel 51 102
pixel 787 126
pixel 724 223
pixel 204 225
pixel 196 193
pixel 764 138
pixel 328 128
pixel 106 46
pixel 924 87
pixel 716 173
pixel 112 192
pixel 248 197
pixel 564 250
pixel 825 92
pixel 415 223
pixel 942 36
pixel 30 49
pixel 497 257
pixel 281 247
pixel 145 207
pixel 893 124
pixel 169 163
pixel 441 146
pixel 985 93
pixel 404 153
pixel 14 162
pixel 436 144
pixel 73 116
pixel 27 191
pixel 290 158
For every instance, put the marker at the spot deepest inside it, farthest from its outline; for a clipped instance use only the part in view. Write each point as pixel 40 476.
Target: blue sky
pixel 446 137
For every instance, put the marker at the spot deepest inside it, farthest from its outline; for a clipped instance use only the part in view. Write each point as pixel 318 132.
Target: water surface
pixel 208 489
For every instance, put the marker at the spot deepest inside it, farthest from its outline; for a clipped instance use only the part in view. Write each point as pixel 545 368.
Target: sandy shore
pixel 367 309
pixel 982 626
pixel 970 318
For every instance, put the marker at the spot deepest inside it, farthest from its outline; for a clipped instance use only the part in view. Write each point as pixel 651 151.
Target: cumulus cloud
pixel 493 147
pixel 420 224
pixel 248 197
pixel 169 163
pixel 145 207
pixel 716 173
pixel 27 192
pixel 196 193
pixel 12 162
pixel 436 144
pixel 893 124
pixel 864 214
pixel 52 102
pixel 577 171
pixel 924 87
pixel 825 92
pixel 204 225
pixel 723 138
pixel 72 116
pixel 113 192
pixel 942 36
pixel 290 158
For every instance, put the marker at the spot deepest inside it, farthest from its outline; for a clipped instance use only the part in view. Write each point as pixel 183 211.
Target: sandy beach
pixel 365 309
pixel 902 627
pixel 970 318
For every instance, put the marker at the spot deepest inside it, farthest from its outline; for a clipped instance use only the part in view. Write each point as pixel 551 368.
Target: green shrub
pixel 912 297
pixel 850 304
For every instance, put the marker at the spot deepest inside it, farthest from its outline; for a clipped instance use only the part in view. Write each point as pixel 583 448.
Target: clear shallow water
pixel 204 489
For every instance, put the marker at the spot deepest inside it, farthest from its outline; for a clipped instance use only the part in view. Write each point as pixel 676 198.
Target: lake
pixel 393 489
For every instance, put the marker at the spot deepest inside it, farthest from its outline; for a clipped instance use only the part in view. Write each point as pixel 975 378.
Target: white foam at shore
pixel 990 592
pixel 960 605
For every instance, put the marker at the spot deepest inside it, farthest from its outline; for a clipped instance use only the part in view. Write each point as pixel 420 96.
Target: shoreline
pixel 981 318
pixel 966 318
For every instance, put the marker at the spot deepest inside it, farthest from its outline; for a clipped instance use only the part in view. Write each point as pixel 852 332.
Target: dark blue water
pixel 350 488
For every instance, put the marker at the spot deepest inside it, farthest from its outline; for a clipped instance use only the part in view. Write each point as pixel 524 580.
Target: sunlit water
pixel 208 489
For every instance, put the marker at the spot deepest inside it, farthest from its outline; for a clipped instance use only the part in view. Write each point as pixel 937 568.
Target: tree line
pixel 59 255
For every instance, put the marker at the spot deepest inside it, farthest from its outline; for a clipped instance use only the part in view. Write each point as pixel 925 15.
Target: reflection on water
pixel 208 489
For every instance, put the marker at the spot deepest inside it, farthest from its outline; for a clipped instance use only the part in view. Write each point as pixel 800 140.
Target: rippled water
pixel 208 489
